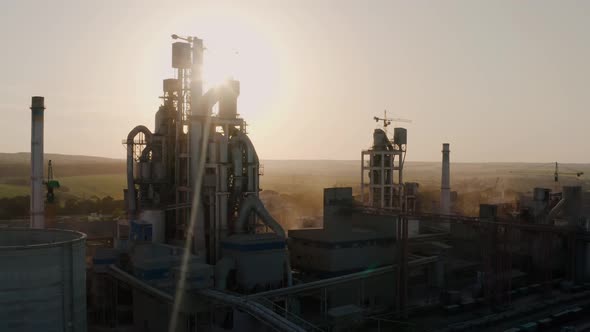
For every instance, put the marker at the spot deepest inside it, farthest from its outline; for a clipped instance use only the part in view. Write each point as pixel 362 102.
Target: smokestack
pixel 37 203
pixel 445 184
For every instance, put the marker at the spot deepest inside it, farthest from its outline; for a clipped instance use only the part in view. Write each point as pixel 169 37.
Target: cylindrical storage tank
pixel 171 85
pixel 400 136
pixel 380 140
pixel 572 208
pixel 42 280
pixel 181 55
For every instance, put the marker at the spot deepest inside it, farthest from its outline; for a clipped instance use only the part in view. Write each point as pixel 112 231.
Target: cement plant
pixel 199 247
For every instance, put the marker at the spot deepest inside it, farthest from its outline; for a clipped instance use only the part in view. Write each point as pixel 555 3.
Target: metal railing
pixel 306 325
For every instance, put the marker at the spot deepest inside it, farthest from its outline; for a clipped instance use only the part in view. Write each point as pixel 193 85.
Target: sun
pixel 239 50
pixel 219 65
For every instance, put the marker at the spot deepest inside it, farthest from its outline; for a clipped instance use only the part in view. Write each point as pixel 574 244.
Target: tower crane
pixel 50 184
pixel 387 121
pixel 556 173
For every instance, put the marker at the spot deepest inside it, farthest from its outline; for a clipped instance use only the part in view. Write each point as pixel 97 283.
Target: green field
pixel 82 186
pixel 10 190
pixel 86 186
pixel 79 176
pixel 300 183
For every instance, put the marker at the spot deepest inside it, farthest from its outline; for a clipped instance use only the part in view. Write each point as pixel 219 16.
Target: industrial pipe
pixel 277 322
pixel 37 203
pixel 253 204
pixel 555 210
pixel 252 160
pixel 236 153
pixel 200 110
pixel 201 106
pixel 131 196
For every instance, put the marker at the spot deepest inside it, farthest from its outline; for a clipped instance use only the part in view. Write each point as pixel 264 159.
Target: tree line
pixel 19 206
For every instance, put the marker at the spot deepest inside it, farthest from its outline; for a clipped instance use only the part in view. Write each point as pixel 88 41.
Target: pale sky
pixel 499 80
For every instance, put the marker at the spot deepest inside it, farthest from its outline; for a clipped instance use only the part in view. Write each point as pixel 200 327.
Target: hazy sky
pixel 499 80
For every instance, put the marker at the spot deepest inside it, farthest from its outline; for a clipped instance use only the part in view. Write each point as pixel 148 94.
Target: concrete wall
pixel 259 269
pixel 385 225
pixel 333 259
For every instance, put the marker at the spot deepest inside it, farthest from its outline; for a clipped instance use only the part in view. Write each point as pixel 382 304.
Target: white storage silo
pixel 42 280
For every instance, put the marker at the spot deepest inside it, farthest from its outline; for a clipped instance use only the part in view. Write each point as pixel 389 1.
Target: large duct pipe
pixel 253 204
pixel 131 196
pixel 37 203
pixel 445 185
pixel 200 111
pixel 555 210
pixel 252 163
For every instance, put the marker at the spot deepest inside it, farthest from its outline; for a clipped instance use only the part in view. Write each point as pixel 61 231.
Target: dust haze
pixel 292 190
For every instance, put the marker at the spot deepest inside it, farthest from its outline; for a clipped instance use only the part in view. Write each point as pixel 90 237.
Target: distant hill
pixel 86 176
pixel 18 165
pixel 80 176
pixel 25 157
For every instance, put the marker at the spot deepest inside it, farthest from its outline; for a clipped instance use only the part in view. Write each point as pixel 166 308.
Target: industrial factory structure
pixel 379 255
pixel 199 251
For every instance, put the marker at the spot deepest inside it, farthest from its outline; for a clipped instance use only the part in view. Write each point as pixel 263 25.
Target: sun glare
pixel 218 66
pixel 240 50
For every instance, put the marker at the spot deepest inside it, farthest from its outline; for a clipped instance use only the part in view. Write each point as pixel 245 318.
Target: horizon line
pixel 346 160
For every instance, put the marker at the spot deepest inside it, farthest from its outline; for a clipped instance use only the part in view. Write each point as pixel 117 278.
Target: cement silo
pixel 42 280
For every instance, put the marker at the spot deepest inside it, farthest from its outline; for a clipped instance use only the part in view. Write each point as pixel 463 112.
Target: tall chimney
pixel 37 203
pixel 445 184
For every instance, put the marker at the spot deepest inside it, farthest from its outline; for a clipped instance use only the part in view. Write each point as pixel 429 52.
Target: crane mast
pixel 387 121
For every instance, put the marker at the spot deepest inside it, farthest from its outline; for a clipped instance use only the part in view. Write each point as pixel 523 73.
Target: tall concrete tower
pixel 37 203
pixel 445 184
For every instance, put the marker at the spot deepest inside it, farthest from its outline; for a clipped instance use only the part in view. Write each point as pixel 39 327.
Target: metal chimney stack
pixel 37 203
pixel 445 185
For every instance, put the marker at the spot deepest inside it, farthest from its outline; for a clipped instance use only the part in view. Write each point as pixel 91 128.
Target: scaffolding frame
pixel 385 189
